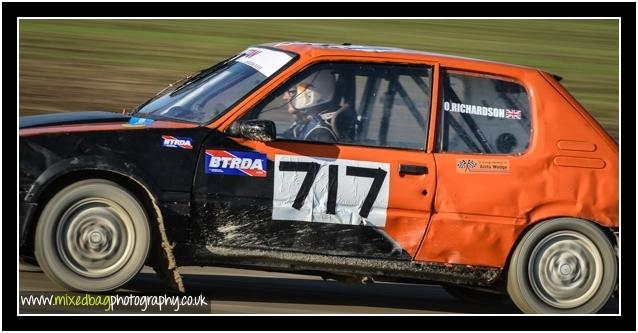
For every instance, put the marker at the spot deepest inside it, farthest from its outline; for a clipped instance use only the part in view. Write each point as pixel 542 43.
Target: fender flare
pixel 89 163
pixel 164 261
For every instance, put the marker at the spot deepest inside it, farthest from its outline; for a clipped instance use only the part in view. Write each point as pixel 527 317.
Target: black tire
pixel 565 265
pixel 27 264
pixel 92 236
pixel 476 296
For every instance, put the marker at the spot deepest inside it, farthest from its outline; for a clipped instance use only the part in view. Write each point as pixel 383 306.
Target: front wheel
pixel 564 265
pixel 28 265
pixel 92 236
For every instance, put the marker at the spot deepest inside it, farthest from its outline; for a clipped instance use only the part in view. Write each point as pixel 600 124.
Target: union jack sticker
pixel 512 114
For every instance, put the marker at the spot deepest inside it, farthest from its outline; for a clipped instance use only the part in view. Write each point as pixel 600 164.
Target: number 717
pixel 311 169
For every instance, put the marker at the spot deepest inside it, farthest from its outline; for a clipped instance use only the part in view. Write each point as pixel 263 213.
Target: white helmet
pixel 314 92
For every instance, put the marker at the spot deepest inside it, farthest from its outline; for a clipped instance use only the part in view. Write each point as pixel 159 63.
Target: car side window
pixel 378 105
pixel 482 114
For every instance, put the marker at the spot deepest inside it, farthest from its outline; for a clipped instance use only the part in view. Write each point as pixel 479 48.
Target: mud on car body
pixel 450 170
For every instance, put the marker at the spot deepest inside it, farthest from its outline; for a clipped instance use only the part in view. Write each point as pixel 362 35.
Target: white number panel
pixel 326 190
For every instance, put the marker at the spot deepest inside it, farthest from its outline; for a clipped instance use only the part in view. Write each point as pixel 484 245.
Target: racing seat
pixel 342 123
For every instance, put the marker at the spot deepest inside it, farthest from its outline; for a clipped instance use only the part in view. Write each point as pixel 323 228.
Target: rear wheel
pixel 93 235
pixel 564 265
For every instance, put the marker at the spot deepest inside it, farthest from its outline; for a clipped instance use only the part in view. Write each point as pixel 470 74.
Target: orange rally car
pixel 342 161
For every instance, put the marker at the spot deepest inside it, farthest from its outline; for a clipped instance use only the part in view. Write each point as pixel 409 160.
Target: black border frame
pixel 625 10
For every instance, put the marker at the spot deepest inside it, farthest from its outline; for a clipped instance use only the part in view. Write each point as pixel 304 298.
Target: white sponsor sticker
pixel 264 60
pixel 326 190
pixel 482 110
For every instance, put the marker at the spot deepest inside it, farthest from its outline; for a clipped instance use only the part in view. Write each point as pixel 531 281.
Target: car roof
pixel 314 49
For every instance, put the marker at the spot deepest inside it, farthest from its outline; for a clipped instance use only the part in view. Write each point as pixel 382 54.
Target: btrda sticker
pixel 177 142
pixel 235 163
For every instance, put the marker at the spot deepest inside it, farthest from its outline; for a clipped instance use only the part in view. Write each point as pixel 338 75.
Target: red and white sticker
pixel 265 61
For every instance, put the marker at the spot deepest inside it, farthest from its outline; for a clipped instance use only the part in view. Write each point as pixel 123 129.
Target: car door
pixel 484 159
pixel 368 194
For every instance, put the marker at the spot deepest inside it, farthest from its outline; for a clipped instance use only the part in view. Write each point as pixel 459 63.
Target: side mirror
pixel 258 130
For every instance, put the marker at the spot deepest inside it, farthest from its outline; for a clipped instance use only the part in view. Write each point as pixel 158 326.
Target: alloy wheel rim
pixel 565 269
pixel 95 237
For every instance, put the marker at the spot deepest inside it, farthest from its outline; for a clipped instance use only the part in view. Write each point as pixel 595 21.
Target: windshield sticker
pixel 265 61
pixel 482 166
pixel 235 163
pixel 482 110
pixel 138 122
pixel 176 142
pixel 329 190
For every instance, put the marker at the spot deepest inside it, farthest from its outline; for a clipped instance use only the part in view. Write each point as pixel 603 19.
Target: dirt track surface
pixel 234 291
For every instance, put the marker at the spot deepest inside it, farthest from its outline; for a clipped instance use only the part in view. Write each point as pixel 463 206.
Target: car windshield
pixel 209 93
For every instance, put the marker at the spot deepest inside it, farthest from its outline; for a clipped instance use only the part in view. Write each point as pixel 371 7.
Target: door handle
pixel 412 169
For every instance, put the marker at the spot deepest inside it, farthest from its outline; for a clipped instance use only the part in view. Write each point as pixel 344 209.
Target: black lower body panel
pixel 379 269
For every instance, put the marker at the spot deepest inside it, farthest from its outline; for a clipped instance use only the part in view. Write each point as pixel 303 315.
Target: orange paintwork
pixel 569 169
pixel 406 218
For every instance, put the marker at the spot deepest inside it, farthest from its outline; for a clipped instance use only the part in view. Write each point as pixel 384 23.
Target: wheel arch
pixel 72 170
pixel 522 252
pixel 544 219
pixel 126 174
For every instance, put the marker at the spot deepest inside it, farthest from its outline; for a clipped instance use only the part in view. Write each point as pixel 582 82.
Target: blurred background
pixel 110 65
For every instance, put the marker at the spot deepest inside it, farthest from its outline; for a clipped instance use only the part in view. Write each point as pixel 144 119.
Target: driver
pixel 311 104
